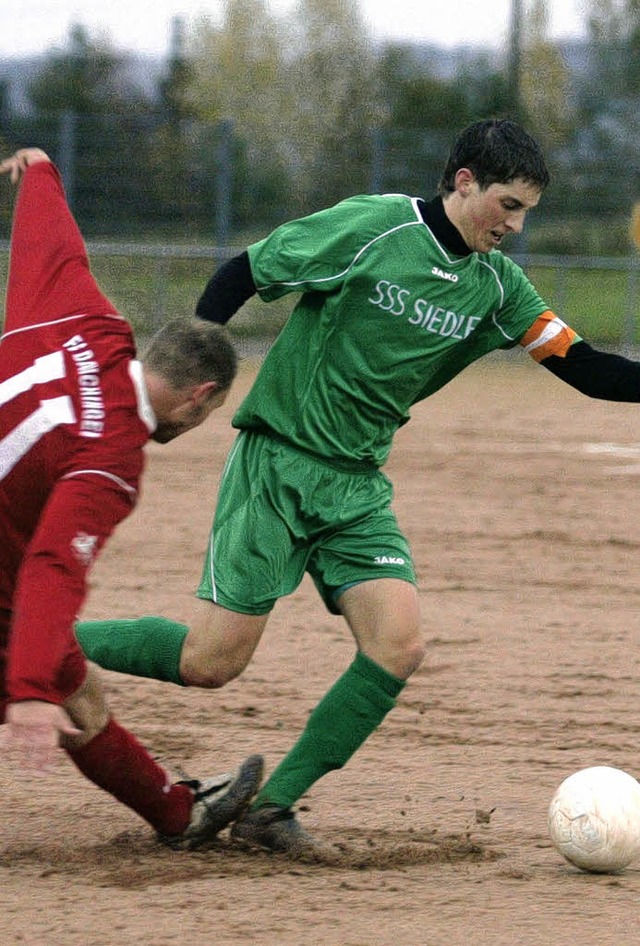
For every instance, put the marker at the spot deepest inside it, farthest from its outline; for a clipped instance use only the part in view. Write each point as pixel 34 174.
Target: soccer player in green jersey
pixel 398 295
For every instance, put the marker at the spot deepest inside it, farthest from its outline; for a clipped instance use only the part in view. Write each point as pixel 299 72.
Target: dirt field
pixel 521 500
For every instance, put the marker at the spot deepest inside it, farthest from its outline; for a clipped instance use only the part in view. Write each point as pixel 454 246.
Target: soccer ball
pixel 594 819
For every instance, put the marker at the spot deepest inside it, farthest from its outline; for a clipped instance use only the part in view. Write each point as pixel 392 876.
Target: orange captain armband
pixel 548 335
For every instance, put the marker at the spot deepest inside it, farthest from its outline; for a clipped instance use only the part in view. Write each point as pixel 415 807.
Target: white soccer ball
pixel 594 819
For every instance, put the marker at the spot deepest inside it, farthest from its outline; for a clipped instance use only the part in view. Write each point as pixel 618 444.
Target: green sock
pixel 345 717
pixel 144 647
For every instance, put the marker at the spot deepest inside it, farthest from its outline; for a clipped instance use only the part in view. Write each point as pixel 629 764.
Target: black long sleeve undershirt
pixel 227 290
pixel 595 373
pixel 599 374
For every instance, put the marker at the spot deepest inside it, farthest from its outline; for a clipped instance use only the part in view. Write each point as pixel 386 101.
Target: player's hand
pixel 33 732
pixel 17 164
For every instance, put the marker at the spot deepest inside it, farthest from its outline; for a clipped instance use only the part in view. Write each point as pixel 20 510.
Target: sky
pixel 35 26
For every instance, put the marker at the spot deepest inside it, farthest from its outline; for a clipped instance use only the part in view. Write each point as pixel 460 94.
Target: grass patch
pixel 600 303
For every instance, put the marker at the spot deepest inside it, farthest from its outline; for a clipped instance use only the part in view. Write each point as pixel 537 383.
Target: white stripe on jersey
pixel 48 368
pixel 363 249
pixel 109 476
pixel 67 318
pixel 50 414
pixel 145 410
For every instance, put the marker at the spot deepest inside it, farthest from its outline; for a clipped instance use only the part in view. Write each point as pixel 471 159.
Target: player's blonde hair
pixel 191 351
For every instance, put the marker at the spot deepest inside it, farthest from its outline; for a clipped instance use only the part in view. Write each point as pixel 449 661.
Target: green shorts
pixel 281 513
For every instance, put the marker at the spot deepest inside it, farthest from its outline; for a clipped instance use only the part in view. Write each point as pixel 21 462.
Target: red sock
pixel 116 762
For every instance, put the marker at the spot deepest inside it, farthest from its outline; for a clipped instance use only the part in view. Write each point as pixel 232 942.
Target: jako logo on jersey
pixel 388 560
pixel 441 273
pixel 84 547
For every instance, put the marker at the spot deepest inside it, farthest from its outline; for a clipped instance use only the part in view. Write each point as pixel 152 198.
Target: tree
pixel 488 89
pixel 238 91
pixel 91 118
pixel 170 162
pixel 609 138
pixel 421 111
pixel 174 87
pixel 544 80
pixel 335 100
pixel 614 35
pixel 86 77
pixel 416 98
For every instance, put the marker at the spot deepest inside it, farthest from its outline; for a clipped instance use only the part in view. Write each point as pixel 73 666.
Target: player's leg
pixel 212 649
pixel 248 565
pixel 149 646
pixel 383 615
pixel 219 645
pixel 185 814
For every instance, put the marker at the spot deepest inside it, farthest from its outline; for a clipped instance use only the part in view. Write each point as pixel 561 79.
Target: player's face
pixel 188 415
pixel 487 216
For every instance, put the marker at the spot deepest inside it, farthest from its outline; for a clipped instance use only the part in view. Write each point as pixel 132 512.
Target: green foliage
pixel 174 86
pixel 259 118
pixel 580 236
pixel 488 91
pixel 238 89
pixel 544 81
pixel 85 77
pixel 337 97
pixel 7 195
pixel 614 33
pixel 301 98
pixel 416 98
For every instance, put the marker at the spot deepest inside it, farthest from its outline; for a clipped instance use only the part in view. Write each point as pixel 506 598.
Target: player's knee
pixel 210 676
pixel 217 652
pixel 409 657
pixel 400 656
pixel 415 656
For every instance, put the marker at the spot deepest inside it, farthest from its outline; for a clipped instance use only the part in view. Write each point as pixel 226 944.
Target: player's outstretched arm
pixel 17 164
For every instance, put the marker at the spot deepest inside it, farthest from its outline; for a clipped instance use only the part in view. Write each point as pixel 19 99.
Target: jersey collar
pixel 434 216
pixel 145 411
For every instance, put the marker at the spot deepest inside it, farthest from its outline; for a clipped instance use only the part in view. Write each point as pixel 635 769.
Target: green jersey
pixel 386 317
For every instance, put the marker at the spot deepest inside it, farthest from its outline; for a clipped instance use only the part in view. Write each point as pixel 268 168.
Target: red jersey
pixel 74 418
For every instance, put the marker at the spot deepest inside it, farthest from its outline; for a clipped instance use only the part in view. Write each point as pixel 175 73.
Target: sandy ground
pixel 520 497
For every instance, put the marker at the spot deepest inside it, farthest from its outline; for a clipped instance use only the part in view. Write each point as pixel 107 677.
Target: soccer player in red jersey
pixel 76 409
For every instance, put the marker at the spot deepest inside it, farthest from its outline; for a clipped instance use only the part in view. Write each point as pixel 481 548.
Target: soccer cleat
pixel 217 802
pixel 277 829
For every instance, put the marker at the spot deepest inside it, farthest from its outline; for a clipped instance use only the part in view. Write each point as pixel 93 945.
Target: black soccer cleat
pixel 217 802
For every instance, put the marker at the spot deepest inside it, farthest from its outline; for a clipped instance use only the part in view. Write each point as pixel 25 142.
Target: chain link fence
pixel 141 176
pixel 162 204
pixel 149 283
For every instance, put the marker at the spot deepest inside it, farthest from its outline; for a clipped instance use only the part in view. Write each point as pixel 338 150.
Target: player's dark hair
pixel 497 151
pixel 191 351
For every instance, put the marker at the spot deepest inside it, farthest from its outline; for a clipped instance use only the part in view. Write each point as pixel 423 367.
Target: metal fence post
pixel 631 309
pixel 223 182
pixel 67 152
pixel 377 161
